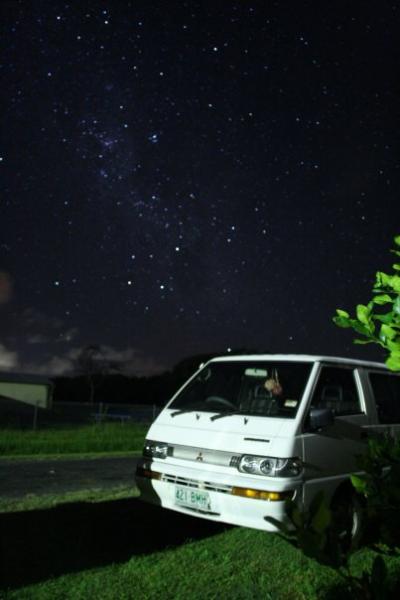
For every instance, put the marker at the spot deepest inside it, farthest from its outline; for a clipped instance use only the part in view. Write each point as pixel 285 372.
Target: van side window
pixel 336 389
pixel 386 389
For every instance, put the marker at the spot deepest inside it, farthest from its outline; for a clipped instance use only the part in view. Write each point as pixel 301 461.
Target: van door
pixel 330 454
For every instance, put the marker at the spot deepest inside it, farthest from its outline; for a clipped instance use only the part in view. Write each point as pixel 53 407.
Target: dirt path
pixel 21 477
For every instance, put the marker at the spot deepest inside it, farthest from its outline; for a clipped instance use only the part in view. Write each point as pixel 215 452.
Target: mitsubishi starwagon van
pixel 247 432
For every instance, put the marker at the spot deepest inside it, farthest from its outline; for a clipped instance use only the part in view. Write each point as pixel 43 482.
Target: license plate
pixel 192 498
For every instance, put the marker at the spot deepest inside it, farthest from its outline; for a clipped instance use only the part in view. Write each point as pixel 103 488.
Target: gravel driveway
pixel 21 477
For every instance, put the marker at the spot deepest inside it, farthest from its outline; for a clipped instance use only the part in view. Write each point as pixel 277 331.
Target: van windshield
pixel 256 388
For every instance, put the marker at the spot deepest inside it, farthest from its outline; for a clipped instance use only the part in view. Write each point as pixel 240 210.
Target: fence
pixel 85 412
pixel 76 413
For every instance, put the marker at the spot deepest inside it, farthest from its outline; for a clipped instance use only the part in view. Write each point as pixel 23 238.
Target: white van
pixel 247 432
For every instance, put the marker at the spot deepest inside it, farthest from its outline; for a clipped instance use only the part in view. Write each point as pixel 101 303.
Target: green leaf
pixel 359 484
pixel 321 519
pixel 342 322
pixel 382 279
pixel 396 306
pixel 393 346
pixel 396 266
pixel 378 576
pixel 393 363
pixel 387 318
pixel 382 299
pixel 363 313
pixel 397 240
pixel 395 283
pixel 278 524
pixel 363 342
pixel 386 333
pixel 342 313
pixel 312 544
pixel 360 328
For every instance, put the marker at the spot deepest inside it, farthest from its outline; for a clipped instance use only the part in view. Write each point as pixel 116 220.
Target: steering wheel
pixel 219 400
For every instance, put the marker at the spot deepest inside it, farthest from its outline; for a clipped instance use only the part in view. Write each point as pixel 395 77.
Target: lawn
pixel 105 438
pixel 32 502
pixel 106 544
pixel 124 549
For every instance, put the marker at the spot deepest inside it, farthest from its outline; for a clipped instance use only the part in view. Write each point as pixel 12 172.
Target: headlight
pixel 272 467
pixel 155 449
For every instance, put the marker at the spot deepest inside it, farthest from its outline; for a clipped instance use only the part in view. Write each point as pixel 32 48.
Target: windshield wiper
pixel 182 411
pixel 228 414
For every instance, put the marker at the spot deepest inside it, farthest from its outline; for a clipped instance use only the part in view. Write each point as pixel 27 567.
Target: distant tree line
pixel 102 386
pixel 96 383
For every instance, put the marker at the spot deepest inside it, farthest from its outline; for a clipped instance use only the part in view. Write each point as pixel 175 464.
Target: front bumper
pixel 236 499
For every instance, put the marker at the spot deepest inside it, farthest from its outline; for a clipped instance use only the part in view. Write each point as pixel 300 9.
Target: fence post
pixel 35 415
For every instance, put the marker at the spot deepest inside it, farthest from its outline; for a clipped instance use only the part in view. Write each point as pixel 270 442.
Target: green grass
pixel 103 438
pixel 34 502
pixel 106 544
pixel 124 549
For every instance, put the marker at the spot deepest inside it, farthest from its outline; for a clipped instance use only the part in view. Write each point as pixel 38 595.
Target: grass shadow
pixel 37 545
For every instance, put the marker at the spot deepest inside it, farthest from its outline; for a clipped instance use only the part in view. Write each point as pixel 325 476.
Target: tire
pixel 348 519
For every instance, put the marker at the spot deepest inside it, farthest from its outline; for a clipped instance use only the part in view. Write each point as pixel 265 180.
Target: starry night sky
pixel 188 177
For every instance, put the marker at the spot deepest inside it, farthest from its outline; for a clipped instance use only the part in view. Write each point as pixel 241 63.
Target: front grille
pixel 200 485
pixel 202 455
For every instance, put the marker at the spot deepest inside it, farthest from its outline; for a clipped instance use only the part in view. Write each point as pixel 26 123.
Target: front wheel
pixel 348 519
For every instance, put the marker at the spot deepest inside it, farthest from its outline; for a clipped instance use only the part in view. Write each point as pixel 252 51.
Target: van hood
pixel 232 433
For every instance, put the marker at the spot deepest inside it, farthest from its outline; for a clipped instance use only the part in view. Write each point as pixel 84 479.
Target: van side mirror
pixel 319 418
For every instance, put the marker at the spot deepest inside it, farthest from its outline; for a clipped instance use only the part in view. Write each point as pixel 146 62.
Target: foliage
pixel 380 485
pixel 316 533
pixel 112 386
pixel 378 321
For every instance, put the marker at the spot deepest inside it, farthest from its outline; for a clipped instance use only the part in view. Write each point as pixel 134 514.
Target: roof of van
pixel 302 358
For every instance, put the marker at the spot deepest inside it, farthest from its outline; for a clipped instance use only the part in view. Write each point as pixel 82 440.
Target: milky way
pixel 189 177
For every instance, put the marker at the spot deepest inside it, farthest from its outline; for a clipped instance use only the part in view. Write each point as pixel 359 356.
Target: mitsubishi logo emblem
pixel 199 457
